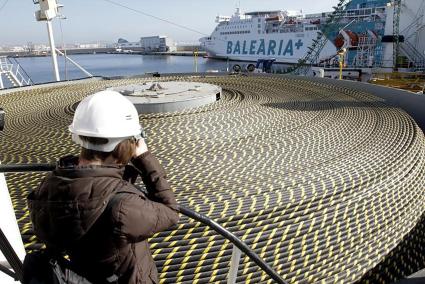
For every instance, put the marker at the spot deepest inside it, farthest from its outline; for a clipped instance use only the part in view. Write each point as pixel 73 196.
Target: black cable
pixel 233 239
pixel 155 17
pixel 64 50
pixel 4 4
pixel 18 168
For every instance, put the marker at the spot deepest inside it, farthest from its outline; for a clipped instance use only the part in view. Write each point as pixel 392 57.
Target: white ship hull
pixel 285 48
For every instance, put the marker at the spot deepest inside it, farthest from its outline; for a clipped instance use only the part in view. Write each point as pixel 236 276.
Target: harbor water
pixel 109 65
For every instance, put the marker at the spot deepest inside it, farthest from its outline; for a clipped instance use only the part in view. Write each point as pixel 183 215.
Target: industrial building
pixel 148 44
pixel 157 43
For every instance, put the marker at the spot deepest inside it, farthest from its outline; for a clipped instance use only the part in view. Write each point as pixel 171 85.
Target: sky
pixel 90 21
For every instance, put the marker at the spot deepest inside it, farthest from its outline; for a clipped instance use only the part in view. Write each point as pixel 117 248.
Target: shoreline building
pixel 157 44
pixel 147 44
pixel 124 44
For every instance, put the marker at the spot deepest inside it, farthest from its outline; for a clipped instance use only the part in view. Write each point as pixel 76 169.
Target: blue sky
pixel 99 20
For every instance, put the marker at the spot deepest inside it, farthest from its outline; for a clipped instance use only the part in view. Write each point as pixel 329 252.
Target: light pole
pixel 48 11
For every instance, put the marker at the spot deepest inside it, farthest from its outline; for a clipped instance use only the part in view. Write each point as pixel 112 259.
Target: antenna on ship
pixel 48 11
pixel 238 8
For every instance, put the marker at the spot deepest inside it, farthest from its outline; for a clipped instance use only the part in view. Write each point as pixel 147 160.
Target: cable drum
pixel 325 183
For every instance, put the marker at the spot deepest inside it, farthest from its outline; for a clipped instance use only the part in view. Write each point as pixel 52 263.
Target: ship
pixel 365 29
pixel 283 35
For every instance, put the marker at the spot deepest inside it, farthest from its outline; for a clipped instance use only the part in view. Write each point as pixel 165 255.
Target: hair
pixel 122 152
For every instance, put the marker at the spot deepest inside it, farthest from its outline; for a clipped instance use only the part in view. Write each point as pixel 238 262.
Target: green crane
pixel 304 64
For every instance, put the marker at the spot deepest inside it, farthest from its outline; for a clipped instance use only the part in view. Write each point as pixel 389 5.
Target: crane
pixel 396 31
pixel 312 55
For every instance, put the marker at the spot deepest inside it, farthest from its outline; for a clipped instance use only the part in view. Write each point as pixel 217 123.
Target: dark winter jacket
pixel 101 221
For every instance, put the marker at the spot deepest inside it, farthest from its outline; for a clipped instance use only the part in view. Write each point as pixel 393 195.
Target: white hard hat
pixel 106 114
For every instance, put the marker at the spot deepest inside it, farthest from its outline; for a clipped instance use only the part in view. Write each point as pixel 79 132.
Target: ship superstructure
pixel 365 30
pixel 284 35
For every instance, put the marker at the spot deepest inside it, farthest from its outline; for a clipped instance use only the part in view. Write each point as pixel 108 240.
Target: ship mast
pixel 48 11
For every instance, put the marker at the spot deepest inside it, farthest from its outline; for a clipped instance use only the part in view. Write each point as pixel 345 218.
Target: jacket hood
pixel 70 200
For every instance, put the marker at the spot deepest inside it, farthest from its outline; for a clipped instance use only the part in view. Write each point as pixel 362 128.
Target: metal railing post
pixel 75 63
pixel 234 265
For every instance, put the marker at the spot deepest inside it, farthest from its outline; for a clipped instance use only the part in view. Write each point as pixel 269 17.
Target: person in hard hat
pixel 87 208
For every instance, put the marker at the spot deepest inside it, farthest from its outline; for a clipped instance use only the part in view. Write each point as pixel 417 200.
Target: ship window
pixel 259 26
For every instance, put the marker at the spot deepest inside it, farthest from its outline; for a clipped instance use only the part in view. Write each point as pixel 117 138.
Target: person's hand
pixel 141 148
